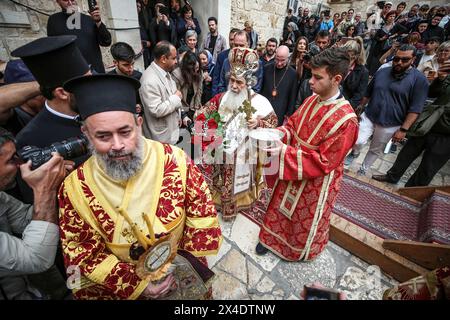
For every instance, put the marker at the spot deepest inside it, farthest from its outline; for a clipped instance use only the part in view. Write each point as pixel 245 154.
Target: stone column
pixel 122 14
pixel 224 16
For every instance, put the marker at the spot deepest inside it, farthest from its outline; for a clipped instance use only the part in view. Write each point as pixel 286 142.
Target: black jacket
pixel 160 32
pixel 355 85
pixel 89 37
pixel 435 31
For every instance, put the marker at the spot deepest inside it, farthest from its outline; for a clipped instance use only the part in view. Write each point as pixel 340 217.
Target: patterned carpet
pixel 384 213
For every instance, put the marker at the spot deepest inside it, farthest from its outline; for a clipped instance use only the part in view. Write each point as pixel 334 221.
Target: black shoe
pixel 383 178
pixel 261 250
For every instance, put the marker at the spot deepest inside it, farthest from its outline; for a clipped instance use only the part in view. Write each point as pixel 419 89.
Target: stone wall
pixel 19 25
pixel 267 15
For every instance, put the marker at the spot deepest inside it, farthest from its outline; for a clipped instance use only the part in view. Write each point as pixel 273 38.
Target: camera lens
pixel 68 149
pixel 71 148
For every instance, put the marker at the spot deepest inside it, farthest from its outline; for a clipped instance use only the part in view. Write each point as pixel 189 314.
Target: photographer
pixel 38 224
pixel 90 36
pixel 162 27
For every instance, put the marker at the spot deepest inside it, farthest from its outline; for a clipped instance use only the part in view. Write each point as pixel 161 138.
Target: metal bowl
pixel 265 137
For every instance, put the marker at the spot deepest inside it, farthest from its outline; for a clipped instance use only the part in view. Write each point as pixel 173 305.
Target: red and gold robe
pixel 221 177
pixel 317 138
pixel 96 239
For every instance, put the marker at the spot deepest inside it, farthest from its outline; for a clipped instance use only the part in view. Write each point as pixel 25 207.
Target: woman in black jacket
pixel 355 83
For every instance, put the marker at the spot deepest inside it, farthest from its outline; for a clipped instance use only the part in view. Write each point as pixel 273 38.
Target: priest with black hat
pixel 52 61
pixel 129 193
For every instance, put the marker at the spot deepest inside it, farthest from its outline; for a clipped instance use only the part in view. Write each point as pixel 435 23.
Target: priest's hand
pixel 155 291
pixel 252 123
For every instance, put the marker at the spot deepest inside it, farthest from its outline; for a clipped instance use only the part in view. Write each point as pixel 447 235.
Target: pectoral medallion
pixel 274 92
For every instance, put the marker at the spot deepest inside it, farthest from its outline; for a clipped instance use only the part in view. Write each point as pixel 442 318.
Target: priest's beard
pixel 232 101
pixel 121 170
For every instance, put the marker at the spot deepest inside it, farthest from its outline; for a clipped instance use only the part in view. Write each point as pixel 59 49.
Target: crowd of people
pixel 330 83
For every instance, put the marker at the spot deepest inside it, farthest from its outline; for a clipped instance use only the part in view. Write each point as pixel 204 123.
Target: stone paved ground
pixel 242 275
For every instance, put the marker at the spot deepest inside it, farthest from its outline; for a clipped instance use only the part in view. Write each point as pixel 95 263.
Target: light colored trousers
pixel 381 136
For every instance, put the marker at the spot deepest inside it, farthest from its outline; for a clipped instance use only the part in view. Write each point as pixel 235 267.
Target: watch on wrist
pixel 403 129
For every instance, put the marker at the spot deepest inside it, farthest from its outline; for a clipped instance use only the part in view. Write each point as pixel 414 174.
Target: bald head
pixel 282 57
pixel 283 50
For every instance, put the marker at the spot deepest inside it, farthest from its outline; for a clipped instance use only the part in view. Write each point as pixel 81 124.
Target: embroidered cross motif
pixel 248 109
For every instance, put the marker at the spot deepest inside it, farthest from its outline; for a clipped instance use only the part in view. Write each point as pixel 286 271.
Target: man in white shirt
pixel 38 224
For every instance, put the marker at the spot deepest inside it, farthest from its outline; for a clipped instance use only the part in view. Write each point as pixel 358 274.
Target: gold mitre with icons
pixel 243 62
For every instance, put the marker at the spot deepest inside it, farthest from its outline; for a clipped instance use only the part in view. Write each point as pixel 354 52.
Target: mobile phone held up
pixel 92 4
pixel 320 294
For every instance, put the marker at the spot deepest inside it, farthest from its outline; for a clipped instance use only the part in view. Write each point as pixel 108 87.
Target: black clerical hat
pixel 53 60
pixel 103 93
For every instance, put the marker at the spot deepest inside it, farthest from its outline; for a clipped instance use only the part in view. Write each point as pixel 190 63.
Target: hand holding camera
pixel 45 182
pixel 47 178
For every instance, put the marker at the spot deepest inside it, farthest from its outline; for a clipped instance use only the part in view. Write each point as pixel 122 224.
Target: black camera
pixel 307 57
pixel 68 149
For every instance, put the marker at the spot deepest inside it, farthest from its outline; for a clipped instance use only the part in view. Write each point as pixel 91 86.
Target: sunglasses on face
pixel 403 60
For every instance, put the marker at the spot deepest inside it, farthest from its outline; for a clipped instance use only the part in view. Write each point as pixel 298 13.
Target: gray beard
pixel 233 100
pixel 119 169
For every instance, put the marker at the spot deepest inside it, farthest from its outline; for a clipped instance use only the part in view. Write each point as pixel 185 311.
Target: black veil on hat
pixel 53 60
pixel 102 93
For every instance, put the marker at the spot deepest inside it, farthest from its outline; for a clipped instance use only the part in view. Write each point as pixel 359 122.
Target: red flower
pixel 201 117
pixel 212 124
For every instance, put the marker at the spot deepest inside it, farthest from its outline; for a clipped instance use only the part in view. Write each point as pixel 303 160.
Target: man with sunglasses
pixel 38 224
pixel 396 96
